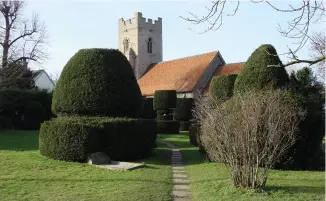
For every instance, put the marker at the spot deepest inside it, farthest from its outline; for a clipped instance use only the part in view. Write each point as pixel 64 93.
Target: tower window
pixel 125 45
pixel 149 45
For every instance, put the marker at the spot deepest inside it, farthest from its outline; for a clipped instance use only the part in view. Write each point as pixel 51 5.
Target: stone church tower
pixel 140 40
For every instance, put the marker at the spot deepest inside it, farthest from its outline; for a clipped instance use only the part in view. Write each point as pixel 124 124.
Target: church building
pixel 140 40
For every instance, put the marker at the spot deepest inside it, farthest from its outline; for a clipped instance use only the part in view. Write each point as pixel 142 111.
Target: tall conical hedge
pixel 97 82
pixel 263 69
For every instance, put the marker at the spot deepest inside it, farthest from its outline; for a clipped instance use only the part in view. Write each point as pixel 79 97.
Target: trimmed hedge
pixel 168 127
pixel 165 117
pixel 184 125
pixel 14 101
pixel 34 115
pixel 257 74
pixel 67 141
pixel 147 111
pixel 97 82
pixel 120 138
pixel 183 110
pixel 166 111
pixel 164 99
pixel 221 87
pixel 193 134
pixel 194 140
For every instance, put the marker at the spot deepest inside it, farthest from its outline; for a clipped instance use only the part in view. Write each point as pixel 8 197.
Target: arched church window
pixel 125 45
pixel 149 45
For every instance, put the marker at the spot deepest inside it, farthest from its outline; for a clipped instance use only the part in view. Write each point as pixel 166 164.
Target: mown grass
pixel 26 175
pixel 210 181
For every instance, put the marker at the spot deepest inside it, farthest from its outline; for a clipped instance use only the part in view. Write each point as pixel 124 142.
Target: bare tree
pixel 248 133
pixel 317 47
pixel 20 39
pixel 297 28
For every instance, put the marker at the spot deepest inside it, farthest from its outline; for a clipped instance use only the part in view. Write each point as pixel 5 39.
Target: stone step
pixel 179 176
pixel 178 171
pixel 181 193
pixel 180 181
pixel 181 199
pixel 181 187
pixel 177 164
pixel 178 168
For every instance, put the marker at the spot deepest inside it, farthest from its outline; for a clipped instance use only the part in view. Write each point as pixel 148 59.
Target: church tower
pixel 140 40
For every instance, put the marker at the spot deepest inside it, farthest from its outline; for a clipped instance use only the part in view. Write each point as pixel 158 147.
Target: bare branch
pixel 298 28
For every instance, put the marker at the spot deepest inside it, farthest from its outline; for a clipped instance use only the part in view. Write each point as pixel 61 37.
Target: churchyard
pixel 251 137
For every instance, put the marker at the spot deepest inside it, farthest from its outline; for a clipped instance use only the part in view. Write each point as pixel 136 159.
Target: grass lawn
pixel 210 181
pixel 25 175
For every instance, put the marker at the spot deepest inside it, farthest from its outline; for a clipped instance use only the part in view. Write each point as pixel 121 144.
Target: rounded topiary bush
pixel 97 82
pixel 263 69
pixel 183 110
pixel 168 127
pixel 221 87
pixel 34 115
pixel 164 99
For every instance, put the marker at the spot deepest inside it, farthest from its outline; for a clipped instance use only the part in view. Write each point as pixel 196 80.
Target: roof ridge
pixel 196 55
pixel 235 63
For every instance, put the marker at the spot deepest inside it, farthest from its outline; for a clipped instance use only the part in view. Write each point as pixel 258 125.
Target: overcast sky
pixel 73 25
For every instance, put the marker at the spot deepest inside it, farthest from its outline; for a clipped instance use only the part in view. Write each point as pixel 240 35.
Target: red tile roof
pixel 227 69
pixel 181 75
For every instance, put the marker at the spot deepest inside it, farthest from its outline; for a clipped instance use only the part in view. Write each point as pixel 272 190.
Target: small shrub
pixel 249 133
pixel 97 82
pixel 184 125
pixel 168 127
pixel 34 115
pixel 164 99
pixel 183 110
pixel 261 71
pixel 221 87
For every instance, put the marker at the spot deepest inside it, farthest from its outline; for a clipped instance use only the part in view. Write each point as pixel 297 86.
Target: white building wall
pixel 43 82
pixel 137 31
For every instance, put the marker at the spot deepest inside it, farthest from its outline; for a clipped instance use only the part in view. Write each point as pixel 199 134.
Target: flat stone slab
pixel 179 176
pixel 181 181
pixel 182 199
pixel 178 168
pixel 177 164
pixel 178 171
pixel 176 156
pixel 117 165
pixel 181 193
pixel 181 187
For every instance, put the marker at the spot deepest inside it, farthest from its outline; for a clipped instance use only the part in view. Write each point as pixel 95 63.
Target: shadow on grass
pixel 296 189
pixel 82 180
pixel 19 140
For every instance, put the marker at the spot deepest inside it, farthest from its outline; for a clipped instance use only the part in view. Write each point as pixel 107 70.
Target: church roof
pixel 227 69
pixel 181 74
